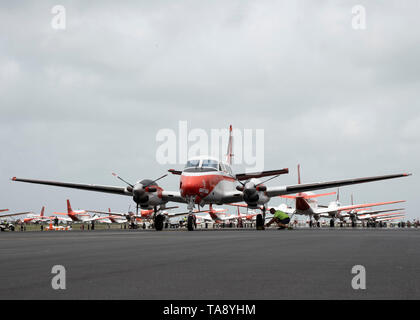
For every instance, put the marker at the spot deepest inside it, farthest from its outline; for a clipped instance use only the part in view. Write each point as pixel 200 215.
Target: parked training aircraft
pixel 207 180
pixel 75 216
pixel 306 204
pixel 33 218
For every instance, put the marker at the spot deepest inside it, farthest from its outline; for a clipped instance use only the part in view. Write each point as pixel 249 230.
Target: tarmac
pixel 219 264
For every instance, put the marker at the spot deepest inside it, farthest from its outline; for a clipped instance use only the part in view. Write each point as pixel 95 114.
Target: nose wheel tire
pixel 332 223
pixel 191 224
pixel 159 222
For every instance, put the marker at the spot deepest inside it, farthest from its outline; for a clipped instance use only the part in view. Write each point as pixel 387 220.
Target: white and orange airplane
pixel 208 180
pixel 306 204
pixel 110 218
pixel 74 216
pixel 216 215
pixel 33 218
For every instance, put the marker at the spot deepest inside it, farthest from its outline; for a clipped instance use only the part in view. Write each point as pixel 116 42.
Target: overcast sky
pixel 80 103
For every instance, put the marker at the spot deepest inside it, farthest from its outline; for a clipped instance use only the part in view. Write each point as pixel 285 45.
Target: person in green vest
pixel 279 217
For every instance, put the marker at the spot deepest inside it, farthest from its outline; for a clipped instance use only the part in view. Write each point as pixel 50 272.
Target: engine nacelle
pixel 145 193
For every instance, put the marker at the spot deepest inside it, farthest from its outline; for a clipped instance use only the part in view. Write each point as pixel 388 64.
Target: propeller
pixel 140 190
pixel 250 190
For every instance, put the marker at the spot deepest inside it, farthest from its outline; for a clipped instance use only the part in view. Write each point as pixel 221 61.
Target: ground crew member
pixel 280 217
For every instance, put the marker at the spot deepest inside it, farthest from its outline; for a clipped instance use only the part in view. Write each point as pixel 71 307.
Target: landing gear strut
pixel 191 220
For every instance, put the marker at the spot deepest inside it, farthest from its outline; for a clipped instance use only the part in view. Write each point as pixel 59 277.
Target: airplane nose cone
pixel 189 188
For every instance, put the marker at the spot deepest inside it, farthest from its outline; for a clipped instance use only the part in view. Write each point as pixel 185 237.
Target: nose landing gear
pixel 191 222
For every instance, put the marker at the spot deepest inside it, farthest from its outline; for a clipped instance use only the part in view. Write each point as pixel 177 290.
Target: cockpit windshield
pixel 192 164
pixel 207 163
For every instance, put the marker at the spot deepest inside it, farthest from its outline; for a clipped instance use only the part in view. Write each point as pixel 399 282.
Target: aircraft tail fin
pixel 42 211
pixel 298 168
pixel 69 209
pixel 229 154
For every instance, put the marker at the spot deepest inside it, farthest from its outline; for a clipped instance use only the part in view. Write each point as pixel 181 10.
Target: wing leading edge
pixel 278 191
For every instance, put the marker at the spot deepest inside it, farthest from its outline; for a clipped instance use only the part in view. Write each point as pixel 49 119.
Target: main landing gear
pixel 158 220
pixel 260 222
pixel 332 223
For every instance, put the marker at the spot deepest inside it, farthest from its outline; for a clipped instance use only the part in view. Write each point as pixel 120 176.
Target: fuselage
pixel 206 180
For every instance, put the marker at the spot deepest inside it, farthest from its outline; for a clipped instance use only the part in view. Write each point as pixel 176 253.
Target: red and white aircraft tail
pixel 229 154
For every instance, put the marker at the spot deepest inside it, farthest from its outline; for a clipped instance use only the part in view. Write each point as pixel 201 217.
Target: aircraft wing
pixel 174 196
pixel 105 219
pixel 246 176
pixel 282 190
pixel 81 186
pixel 359 214
pixel 390 218
pixel 14 214
pixel 173 215
pixel 357 206
pixel 383 215
pixel 59 218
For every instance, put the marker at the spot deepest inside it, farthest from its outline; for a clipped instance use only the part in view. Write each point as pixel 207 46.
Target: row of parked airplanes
pixel 209 181
pixel 305 204
pixel 334 211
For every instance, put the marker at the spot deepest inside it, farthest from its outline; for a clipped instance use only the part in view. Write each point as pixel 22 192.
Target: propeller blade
pixel 150 183
pixel 267 180
pixel 118 177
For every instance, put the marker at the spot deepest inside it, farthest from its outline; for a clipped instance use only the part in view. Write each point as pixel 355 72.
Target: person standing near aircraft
pixel 280 217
